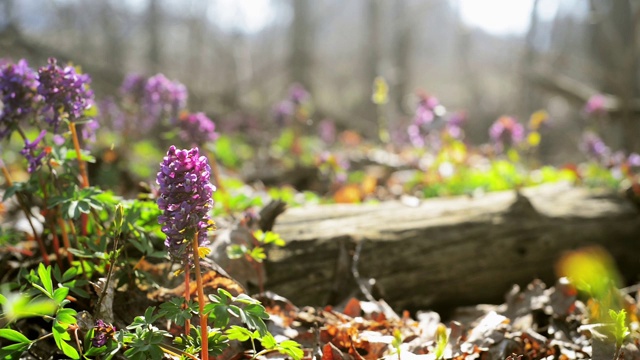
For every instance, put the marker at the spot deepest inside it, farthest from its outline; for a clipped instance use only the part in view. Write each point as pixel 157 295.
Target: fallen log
pixel 446 252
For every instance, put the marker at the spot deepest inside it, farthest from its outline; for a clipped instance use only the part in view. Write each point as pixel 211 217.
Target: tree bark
pixel 445 252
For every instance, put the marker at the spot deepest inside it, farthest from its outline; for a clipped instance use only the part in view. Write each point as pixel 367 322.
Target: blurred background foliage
pixel 238 58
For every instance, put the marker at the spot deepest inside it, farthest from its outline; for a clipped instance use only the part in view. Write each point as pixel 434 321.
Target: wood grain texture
pixel 449 251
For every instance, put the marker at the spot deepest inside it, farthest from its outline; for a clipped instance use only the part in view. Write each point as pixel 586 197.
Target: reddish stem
pixel 203 318
pixel 83 173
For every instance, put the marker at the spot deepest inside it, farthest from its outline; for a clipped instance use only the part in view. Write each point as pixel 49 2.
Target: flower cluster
pixel 29 152
pixel 297 103
pixel 185 198
pixel 197 128
pixel 505 132
pixel 102 332
pixel 596 105
pixel 593 146
pixel 18 86
pixel 427 110
pixel 133 87
pixel 64 92
pixel 162 98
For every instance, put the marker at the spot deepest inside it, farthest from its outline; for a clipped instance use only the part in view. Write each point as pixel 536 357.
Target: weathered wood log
pixel 447 252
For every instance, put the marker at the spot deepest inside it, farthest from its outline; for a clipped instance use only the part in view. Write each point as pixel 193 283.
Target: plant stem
pixel 65 239
pixel 27 213
pixel 187 295
pixel 203 318
pixel 83 172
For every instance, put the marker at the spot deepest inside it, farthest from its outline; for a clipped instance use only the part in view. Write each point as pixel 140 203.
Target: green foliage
pixel 620 329
pixel 178 310
pixel 249 310
pixel 442 339
pixel 268 342
pixel 75 201
pixel 51 307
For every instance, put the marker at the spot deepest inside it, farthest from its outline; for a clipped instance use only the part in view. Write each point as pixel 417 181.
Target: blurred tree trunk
pixel 154 20
pixel 529 97
pixel 301 43
pixel 197 27
pixel 614 49
pixel 402 54
pixel 113 51
pixel 8 14
pixel 370 111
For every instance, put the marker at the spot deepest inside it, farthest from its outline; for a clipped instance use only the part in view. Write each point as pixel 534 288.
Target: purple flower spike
pixel 29 152
pixel 186 198
pixel 18 95
pixel 506 131
pixel 102 332
pixel 133 86
pixel 197 128
pixel 65 93
pixel 162 98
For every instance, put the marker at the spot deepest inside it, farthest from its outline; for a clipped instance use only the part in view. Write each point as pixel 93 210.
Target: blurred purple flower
pixel 58 139
pixel 29 152
pixel 111 115
pixel 65 92
pixel 162 97
pixel 197 128
pixel 327 131
pixel 282 111
pixel 415 136
pixel 133 87
pixel 185 196
pixel 298 94
pixel 18 91
pixel 101 333
pixel 593 146
pixel 89 131
pixel 596 105
pixel 454 125
pixel 633 160
pixel 506 131
pixel 425 111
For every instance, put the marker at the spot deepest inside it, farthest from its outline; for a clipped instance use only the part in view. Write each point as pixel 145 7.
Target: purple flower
pixel 18 86
pixel 327 130
pixel 185 197
pixel 197 128
pixel 506 131
pixel 298 94
pixel 425 111
pixel 65 93
pixel 596 105
pixel 133 86
pixel 454 125
pixel 282 111
pixel 89 131
pixel 29 152
pixel 102 332
pixel 593 146
pixel 162 98
pixel 634 160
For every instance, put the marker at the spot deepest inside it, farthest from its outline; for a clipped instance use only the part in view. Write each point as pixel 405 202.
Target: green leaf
pixel 60 294
pixel 14 336
pixel 72 212
pixel 66 317
pixel 3 299
pixel 236 251
pixel 69 274
pixel 13 351
pixel 45 277
pixel 238 333
pixel 268 341
pixel 60 335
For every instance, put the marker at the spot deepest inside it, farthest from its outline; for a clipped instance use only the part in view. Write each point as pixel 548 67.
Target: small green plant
pixel 396 342
pixel 620 329
pixel 41 301
pixel 442 339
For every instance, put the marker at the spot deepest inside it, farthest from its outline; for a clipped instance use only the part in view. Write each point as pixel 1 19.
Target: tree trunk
pixel 155 42
pixel 446 252
pixel 301 43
